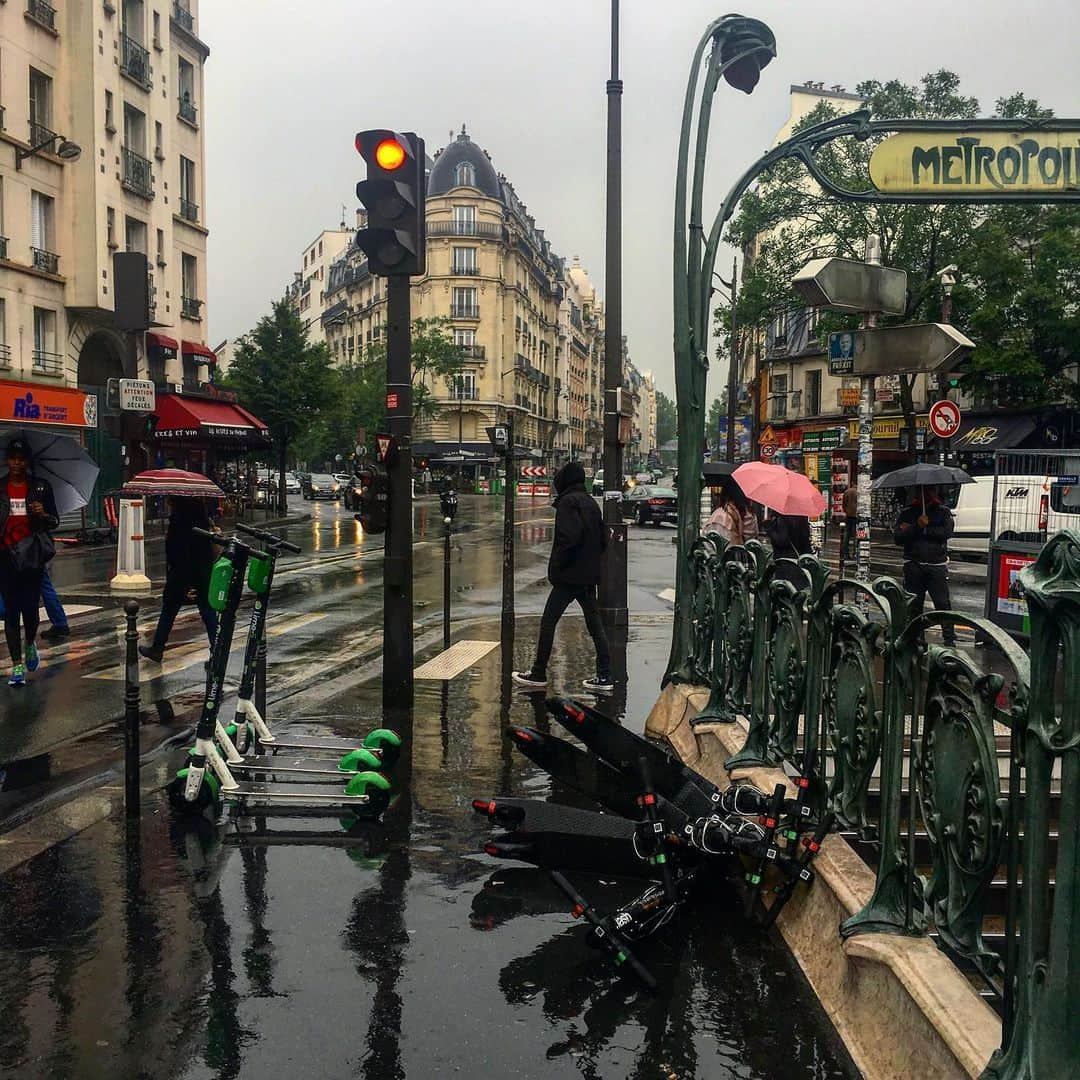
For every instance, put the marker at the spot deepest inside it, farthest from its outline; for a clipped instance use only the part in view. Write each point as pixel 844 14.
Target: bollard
pixel 446 586
pixel 131 711
pixel 843 544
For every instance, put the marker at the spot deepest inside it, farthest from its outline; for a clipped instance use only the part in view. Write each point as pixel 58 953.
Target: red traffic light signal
pixel 393 194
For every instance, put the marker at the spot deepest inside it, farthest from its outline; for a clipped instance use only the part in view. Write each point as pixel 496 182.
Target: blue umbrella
pixel 59 459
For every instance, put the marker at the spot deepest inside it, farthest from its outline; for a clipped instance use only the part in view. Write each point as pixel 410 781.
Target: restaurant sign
pixel 973 162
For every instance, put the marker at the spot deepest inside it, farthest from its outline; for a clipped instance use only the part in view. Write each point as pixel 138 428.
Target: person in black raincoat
pixel 574 568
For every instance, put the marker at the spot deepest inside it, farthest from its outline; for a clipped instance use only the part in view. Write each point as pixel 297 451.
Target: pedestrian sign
pixel 842 353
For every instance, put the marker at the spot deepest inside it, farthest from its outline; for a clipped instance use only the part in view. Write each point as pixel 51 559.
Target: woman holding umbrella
pixel 27 515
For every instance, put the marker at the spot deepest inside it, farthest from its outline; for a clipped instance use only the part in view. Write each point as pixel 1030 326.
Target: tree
pixel 717 412
pixel 665 418
pixel 1006 255
pixel 283 379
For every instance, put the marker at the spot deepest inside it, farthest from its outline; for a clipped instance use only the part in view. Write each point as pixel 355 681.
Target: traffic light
pixel 393 194
pixel 374 499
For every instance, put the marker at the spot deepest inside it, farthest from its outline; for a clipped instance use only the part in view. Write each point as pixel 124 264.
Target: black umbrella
pixel 922 475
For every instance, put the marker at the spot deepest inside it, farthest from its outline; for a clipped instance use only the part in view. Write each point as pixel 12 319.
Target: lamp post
pixel 66 151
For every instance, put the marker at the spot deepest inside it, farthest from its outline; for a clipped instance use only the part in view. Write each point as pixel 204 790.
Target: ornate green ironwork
pixel 704 604
pixel 787 667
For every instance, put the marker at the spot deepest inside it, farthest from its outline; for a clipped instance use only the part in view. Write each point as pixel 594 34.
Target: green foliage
pixel 717 410
pixel 665 418
pixel 1018 292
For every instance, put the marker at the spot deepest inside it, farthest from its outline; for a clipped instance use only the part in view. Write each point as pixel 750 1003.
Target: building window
pixel 464 220
pixel 813 392
pixel 40 108
pixel 186 84
pixel 463 386
pixel 465 338
pixel 778 396
pixel 159 142
pixel 42 216
pixel 134 235
pixel 465 174
pixel 110 227
pixel 320 247
pixel 46 359
pixel 5 348
pixel 189 207
pixel 161 247
pixel 464 260
pixel 134 130
pixel 110 117
pixel 157 30
pixel 189 278
pixel 464 304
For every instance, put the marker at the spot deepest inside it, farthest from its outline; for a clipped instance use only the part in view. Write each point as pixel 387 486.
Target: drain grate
pixel 460 655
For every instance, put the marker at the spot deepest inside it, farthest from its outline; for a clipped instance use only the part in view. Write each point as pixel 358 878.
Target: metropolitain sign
pixel 1024 160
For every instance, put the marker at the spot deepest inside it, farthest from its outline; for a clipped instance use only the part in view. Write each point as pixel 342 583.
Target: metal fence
pixel 846 685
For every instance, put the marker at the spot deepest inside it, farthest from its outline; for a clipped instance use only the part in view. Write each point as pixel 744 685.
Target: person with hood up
pixel 574 572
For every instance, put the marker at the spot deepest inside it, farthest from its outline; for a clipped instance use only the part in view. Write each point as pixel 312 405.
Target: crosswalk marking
pixel 453 661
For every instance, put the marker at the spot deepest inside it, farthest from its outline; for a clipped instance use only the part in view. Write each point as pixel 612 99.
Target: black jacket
pixel 188 558
pixel 789 535
pixel 578 549
pixel 925 543
pixel 37 490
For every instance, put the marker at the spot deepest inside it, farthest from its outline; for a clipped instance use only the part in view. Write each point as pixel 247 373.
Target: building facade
pixel 531 330
pixel 308 289
pixel 121 81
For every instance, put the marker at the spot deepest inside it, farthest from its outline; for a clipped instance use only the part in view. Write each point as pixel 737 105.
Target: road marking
pixel 196 651
pixel 668 595
pixel 70 610
pixel 460 655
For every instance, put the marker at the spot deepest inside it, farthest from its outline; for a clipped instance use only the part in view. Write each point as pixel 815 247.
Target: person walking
pixel 727 518
pixel 789 535
pixel 59 628
pixel 189 559
pixel 574 572
pixel 923 530
pixel 27 516
pixel 851 516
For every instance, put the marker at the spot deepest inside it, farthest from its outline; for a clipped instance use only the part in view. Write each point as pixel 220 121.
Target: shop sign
pixel 886 427
pixel 29 403
pixel 849 397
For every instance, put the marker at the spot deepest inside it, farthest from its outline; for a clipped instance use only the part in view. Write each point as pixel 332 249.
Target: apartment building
pixel 308 289
pixel 101 150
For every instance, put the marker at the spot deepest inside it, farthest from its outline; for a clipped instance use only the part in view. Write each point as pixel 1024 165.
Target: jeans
pixel 53 608
pixel 851 525
pixel 20 592
pixel 932 578
pixel 558 601
pixel 171 603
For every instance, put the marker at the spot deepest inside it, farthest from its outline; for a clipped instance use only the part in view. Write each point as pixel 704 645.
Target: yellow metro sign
pixel 973 162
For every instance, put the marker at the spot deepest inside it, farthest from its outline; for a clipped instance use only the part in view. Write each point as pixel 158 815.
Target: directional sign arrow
pixel 850 285
pixel 894 350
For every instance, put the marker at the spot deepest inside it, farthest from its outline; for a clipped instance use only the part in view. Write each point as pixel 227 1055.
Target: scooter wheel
pixel 205 803
pixel 377 789
pixel 388 744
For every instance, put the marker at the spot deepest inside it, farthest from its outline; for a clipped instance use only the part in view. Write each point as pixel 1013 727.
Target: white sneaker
pixel 526 678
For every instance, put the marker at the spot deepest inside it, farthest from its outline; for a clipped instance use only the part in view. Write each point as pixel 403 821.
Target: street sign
pixel 767 450
pixel 499 436
pixel 944 418
pixel 894 350
pixel 385 448
pixel 850 285
pixel 130 395
pixel 533 471
pixel 842 354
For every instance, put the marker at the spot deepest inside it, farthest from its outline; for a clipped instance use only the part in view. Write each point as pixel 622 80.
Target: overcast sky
pixel 288 85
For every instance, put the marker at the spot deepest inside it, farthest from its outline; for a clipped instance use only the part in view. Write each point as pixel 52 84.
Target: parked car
pixel 292 486
pixel 323 486
pixel 648 504
pixel 598 482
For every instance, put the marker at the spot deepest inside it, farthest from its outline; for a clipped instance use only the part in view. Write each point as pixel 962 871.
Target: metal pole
pixel 733 367
pixel 508 538
pixel 866 440
pixel 397 564
pixel 613 582
pixel 943 376
pixel 131 710
pixel 446 587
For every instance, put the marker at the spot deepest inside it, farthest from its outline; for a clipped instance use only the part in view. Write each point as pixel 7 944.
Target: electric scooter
pixel 207 779
pixel 380 748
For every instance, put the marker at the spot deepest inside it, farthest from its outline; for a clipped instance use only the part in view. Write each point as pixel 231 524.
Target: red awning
pixel 193 348
pixel 196 419
pixel 162 341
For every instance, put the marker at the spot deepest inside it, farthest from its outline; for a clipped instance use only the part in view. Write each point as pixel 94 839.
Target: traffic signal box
pixel 374 499
pixel 394 239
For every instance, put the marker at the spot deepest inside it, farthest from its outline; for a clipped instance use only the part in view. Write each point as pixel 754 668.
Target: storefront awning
pixel 983 435
pixel 193 348
pixel 187 419
pixel 163 342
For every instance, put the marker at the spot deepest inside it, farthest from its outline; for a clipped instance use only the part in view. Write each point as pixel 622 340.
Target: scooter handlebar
pixel 218 538
pixel 268 538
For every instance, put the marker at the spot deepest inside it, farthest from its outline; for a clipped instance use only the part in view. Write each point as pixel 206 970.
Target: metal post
pixel 131 710
pixel 866 440
pixel 943 376
pixel 733 367
pixel 613 582
pixel 446 587
pixel 508 538
pixel 397 565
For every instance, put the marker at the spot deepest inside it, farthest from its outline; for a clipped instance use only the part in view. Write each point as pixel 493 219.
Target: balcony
pixel 48 363
pixel 464 311
pixel 5 356
pixel 41 12
pixel 464 269
pixel 135 62
pixel 3 247
pixel 43 137
pixel 187 111
pixel 138 176
pixel 45 261
pixel 464 393
pixel 189 211
pixel 190 307
pixel 183 17
pixel 473 352
pixel 491 229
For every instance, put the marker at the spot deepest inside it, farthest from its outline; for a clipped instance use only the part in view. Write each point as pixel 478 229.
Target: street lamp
pixel 66 151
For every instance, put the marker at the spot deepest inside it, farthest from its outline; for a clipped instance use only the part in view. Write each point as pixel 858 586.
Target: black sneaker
pixel 600 683
pixel 151 653
pixel 56 634
pixel 527 678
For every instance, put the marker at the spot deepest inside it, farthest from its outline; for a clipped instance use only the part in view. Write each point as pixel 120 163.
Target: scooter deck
pixel 327 745
pixel 300 795
pixel 524 817
pixel 293 769
pixel 572 851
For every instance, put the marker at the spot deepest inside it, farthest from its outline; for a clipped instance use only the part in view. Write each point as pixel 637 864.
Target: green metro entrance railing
pixel 841 681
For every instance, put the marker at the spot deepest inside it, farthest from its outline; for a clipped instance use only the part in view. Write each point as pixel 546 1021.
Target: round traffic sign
pixel 767 450
pixel 944 418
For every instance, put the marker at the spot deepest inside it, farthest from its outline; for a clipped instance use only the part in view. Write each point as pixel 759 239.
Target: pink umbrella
pixel 780 489
pixel 172 482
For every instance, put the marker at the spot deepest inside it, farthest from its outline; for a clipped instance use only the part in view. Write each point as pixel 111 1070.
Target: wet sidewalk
pixel 396 950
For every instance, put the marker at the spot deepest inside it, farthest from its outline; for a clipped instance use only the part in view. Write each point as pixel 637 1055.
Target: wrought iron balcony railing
pixel 490 229
pixel 5 356
pixel 464 311
pixel 187 111
pixel 43 137
pixel 138 174
pixel 464 393
pixel 473 352
pixel 189 211
pixel 135 62
pixel 190 307
pixel 184 17
pixel 42 12
pixel 3 247
pixel 43 260
pixel 48 363
pixel 464 269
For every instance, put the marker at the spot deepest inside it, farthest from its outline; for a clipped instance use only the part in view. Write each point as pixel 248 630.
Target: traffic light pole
pixel 397 565
pixel 865 473
pixel 507 628
pixel 613 582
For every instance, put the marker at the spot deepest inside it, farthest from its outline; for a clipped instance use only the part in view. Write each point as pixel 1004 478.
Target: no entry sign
pixel 944 419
